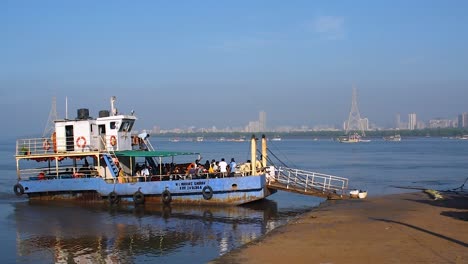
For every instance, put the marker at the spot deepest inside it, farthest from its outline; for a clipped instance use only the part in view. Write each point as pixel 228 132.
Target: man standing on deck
pixel 222 167
pixel 232 167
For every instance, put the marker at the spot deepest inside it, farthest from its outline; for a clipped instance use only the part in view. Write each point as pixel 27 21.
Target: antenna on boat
pixel 66 107
pixel 113 109
pixel 50 125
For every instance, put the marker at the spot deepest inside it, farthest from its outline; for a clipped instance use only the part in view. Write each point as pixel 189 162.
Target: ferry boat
pixel 101 160
pixel 396 138
pixel 352 138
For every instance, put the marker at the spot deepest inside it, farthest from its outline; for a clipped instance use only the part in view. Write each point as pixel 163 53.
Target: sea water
pixel 71 233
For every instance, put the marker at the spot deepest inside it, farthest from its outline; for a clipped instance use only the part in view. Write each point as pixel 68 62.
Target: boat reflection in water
pixel 71 233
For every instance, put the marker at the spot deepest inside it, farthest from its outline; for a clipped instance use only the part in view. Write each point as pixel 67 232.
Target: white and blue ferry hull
pixel 212 191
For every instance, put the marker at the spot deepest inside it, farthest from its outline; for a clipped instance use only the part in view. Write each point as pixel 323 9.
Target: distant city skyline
pixel 203 64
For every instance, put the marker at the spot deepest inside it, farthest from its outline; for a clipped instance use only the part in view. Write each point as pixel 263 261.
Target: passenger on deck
pixel 215 166
pixel 223 167
pixel 41 176
pixel 258 166
pixel 245 168
pixel 232 167
pixel 145 171
pixel 207 164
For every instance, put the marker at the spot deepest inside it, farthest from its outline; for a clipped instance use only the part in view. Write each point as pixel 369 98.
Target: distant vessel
pixel 352 138
pixel 396 137
pixel 199 139
pixel 276 138
pixel 174 139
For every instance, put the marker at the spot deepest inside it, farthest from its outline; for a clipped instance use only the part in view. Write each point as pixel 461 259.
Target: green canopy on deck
pixel 155 153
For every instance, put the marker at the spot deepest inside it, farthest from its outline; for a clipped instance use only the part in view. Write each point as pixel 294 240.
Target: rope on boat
pixel 285 156
pixel 279 160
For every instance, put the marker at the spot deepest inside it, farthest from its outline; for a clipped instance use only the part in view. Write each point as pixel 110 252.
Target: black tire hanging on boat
pixel 18 189
pixel 113 198
pixel 138 197
pixel 166 197
pixel 207 192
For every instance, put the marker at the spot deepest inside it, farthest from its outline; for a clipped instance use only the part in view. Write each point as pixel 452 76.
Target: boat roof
pixel 154 153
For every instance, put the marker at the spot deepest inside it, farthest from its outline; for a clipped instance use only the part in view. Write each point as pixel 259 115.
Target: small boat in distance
pixel 352 138
pixel 395 138
pixel 276 138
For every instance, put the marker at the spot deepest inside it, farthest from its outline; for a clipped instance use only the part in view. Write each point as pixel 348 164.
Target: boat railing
pixel 48 146
pixel 65 172
pixel 307 180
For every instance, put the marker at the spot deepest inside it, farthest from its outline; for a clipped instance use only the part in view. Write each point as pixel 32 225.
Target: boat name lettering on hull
pixel 198 185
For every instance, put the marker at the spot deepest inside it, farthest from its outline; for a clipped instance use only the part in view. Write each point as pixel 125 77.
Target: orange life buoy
pixel 113 140
pixel 46 144
pixel 81 142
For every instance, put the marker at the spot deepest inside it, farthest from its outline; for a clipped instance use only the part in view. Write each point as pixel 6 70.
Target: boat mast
pixel 253 152
pixel 113 109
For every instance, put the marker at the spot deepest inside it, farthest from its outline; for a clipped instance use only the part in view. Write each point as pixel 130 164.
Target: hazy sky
pixel 205 63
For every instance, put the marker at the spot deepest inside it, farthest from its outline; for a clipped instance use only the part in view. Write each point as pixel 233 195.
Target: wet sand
pixel 403 228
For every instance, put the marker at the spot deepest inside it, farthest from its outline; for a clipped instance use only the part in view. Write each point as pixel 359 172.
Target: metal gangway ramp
pixel 307 182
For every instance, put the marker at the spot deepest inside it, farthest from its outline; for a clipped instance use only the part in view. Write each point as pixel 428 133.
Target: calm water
pixel 64 233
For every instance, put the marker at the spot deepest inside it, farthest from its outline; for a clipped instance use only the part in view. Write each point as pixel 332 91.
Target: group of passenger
pixel 197 169
pixel 220 168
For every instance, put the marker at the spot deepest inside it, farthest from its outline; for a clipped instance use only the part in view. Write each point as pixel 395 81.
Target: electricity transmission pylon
pixel 354 119
pixel 50 125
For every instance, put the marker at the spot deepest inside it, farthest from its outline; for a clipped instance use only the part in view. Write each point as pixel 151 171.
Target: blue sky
pixel 205 63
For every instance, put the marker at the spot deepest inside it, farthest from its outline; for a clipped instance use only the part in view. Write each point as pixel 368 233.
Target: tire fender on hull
pixel 207 192
pixel 166 197
pixel 18 189
pixel 138 197
pixel 113 198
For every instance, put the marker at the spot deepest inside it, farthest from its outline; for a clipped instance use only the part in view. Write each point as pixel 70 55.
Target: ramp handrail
pixel 308 180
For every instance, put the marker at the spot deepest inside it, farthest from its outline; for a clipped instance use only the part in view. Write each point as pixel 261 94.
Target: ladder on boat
pixel 307 182
pixel 109 159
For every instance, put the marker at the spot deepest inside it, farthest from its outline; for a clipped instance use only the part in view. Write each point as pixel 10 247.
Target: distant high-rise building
pixel 412 122
pixel 262 121
pixel 253 126
pixel 440 123
pixel 397 121
pixel 463 120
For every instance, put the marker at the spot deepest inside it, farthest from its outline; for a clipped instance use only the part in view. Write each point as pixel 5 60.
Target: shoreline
pixel 397 228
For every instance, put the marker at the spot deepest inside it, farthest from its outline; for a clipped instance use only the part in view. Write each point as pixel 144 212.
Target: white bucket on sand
pixel 362 194
pixel 354 193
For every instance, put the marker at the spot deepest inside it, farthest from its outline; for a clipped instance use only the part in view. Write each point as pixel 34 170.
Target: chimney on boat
pixel 82 114
pixel 253 157
pixel 104 113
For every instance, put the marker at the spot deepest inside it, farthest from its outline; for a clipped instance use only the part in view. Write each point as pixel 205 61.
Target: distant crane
pixel 354 120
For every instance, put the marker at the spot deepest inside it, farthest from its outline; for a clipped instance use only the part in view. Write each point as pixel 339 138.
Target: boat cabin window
pixel 126 126
pixel 112 125
pixel 102 129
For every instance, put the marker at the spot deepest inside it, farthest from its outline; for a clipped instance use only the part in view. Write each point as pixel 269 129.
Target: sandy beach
pixel 402 228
